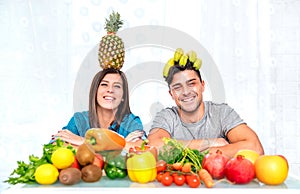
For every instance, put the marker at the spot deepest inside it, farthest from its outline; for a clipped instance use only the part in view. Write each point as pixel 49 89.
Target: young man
pixel 200 124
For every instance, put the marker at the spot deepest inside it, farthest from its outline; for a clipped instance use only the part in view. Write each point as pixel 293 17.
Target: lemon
pixel 248 154
pixel 46 174
pixel 62 158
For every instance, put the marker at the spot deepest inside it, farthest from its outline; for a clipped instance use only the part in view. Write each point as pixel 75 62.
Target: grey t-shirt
pixel 218 119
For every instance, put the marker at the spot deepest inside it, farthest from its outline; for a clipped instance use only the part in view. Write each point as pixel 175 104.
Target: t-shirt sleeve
pixel 163 119
pixel 230 119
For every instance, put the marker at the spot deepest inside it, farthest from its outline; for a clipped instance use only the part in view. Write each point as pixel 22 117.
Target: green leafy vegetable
pixel 24 173
pixel 174 151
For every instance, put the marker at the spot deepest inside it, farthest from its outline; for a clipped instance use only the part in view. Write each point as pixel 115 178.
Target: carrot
pixel 187 167
pixel 206 178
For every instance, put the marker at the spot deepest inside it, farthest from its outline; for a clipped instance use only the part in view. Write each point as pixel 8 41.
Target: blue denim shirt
pixel 79 124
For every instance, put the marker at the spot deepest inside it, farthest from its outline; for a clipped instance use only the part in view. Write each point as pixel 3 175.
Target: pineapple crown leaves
pixel 114 23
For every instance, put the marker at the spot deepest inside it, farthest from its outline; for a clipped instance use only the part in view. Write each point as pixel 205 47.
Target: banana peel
pixel 167 67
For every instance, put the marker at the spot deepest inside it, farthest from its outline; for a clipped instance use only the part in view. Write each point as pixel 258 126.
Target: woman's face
pixel 110 91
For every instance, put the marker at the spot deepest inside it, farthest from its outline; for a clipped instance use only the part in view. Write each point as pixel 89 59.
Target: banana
pixel 178 53
pixel 197 64
pixel 183 60
pixel 192 56
pixel 167 67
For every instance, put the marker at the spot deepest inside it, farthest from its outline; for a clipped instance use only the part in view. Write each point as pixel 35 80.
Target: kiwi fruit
pixel 85 154
pixel 91 173
pixel 69 176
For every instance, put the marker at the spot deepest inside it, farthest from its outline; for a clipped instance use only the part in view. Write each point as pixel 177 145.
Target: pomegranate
pixel 239 170
pixel 214 163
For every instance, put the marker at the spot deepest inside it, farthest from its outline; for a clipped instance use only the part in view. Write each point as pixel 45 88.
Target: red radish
pixel 214 163
pixel 239 170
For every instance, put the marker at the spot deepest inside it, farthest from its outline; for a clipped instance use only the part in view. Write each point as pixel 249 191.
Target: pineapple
pixel 111 52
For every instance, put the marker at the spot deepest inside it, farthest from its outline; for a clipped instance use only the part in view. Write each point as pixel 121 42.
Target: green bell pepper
pixel 116 167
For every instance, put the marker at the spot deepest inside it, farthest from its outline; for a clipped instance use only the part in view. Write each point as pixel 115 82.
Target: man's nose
pixel 185 90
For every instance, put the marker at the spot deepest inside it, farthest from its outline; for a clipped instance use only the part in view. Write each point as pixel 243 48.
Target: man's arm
pixel 156 135
pixel 240 137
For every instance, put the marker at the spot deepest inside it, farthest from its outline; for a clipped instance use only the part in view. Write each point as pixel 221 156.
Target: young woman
pixel 108 108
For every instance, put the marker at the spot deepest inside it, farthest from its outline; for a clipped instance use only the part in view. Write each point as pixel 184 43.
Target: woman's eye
pixel 103 84
pixel 117 86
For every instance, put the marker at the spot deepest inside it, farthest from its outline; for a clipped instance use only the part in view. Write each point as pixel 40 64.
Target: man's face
pixel 186 89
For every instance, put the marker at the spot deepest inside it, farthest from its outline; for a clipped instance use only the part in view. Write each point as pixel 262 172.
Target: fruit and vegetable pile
pixel 174 164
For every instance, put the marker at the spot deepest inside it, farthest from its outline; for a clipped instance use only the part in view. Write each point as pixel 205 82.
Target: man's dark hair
pixel 177 68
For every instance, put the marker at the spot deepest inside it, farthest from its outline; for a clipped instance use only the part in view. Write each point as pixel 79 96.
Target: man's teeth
pixel 187 99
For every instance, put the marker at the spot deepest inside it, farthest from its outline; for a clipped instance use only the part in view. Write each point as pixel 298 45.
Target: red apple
pixel 76 164
pixel 98 160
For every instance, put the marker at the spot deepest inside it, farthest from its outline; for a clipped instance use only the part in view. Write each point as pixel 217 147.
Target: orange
pixel 271 169
pixel 248 154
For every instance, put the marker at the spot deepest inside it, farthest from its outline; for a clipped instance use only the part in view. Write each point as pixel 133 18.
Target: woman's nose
pixel 110 89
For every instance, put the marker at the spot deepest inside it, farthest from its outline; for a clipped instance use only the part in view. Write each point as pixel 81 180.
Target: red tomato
pixel 193 181
pixel 179 179
pixel 159 176
pixel 161 165
pixel 167 179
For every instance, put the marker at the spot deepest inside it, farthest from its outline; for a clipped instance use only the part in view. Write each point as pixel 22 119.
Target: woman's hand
pixel 135 136
pixel 69 137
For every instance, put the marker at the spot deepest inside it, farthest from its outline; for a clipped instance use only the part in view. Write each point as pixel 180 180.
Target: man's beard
pixel 195 109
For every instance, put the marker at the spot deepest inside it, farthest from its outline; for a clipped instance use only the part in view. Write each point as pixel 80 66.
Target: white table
pixel 105 185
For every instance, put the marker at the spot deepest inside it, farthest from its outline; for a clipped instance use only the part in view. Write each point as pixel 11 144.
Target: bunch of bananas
pixel 182 59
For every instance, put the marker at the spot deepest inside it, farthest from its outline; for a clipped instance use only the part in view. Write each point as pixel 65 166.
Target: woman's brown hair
pixel 123 108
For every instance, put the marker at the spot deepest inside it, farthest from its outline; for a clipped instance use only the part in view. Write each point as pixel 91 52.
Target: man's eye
pixel 177 88
pixel 191 84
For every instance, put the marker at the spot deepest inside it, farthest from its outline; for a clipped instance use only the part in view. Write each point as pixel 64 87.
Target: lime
pixel 62 158
pixel 46 174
